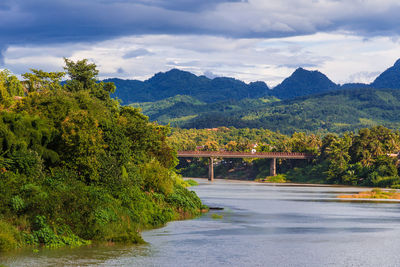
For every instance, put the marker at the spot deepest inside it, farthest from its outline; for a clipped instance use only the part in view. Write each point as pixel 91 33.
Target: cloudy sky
pixel 349 40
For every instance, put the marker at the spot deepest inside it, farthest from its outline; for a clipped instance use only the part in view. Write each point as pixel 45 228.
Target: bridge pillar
pixel 272 167
pixel 211 169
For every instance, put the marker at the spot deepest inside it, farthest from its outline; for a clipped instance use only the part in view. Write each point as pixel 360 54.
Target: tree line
pixel 77 167
pixel 361 158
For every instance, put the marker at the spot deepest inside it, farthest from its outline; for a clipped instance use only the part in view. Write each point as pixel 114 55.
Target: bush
pixel 9 237
pixel 279 178
pixel 77 166
pixel 387 181
pixel 185 200
pixel 191 182
pixel 156 178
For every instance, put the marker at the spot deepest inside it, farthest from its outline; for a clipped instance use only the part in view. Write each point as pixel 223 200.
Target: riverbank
pixel 289 184
pixel 376 193
pixel 260 223
pixel 77 167
pixel 180 204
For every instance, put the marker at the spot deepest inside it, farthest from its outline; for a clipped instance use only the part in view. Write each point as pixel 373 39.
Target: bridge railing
pixel 255 154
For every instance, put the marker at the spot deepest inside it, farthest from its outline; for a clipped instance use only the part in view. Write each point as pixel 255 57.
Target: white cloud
pixel 341 56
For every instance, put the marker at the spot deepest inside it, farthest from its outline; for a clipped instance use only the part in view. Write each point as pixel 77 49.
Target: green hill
pixel 336 111
pixel 179 110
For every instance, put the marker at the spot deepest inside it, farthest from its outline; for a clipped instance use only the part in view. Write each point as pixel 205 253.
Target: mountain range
pixel 302 82
pixel 306 101
pixel 177 82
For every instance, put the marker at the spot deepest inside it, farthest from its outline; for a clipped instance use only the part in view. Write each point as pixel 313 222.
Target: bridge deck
pixel 228 154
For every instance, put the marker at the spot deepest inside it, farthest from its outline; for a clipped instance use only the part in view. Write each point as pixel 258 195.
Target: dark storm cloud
pixel 50 21
pixel 187 5
pixel 27 22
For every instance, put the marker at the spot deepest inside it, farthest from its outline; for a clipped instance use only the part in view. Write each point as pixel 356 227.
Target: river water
pixel 261 225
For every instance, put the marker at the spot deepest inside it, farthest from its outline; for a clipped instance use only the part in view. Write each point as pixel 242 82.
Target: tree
pixel 41 80
pixel 10 87
pixel 371 143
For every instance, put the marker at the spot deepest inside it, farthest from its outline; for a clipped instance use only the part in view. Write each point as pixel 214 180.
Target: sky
pixel 251 40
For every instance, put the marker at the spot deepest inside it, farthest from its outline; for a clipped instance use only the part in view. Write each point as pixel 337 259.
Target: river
pixel 261 225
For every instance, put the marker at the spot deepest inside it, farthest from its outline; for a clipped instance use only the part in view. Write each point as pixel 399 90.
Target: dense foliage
pixel 361 158
pixel 338 111
pixel 76 166
pixel 230 139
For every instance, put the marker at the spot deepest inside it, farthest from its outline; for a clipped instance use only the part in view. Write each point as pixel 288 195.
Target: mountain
pixel 177 82
pixel 309 102
pixel 303 82
pixel 390 78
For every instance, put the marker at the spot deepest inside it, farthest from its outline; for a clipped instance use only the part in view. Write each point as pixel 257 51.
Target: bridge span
pixel 228 154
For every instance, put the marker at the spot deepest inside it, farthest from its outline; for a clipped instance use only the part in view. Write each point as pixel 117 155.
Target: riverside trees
pixel 76 166
pixel 360 158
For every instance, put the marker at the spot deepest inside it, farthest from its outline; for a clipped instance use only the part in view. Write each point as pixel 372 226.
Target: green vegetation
pixel 310 102
pixel 191 182
pixel 279 178
pixel 361 158
pixel 216 216
pixel 230 139
pixel 77 167
pixel 375 193
pixel 338 111
pixel 180 109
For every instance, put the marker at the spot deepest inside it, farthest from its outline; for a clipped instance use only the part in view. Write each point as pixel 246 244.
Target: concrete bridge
pixel 227 154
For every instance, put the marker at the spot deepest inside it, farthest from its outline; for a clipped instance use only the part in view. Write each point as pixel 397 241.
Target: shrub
pixel 156 178
pixel 9 237
pixel 191 182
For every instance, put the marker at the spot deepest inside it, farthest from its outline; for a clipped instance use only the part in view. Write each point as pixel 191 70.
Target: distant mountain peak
pixel 397 63
pixel 303 82
pixel 179 82
pixel 301 69
pixel 390 78
pixel 172 73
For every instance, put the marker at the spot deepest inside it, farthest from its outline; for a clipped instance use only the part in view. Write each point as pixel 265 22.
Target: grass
pixel 217 216
pixel 279 178
pixel 375 193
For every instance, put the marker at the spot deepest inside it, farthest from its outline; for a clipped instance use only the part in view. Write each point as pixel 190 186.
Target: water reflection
pixel 261 225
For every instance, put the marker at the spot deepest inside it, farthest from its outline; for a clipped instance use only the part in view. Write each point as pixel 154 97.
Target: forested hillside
pixel 179 110
pixel 336 111
pixel 77 167
pixel 309 102
pixel 175 82
pixel 178 82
